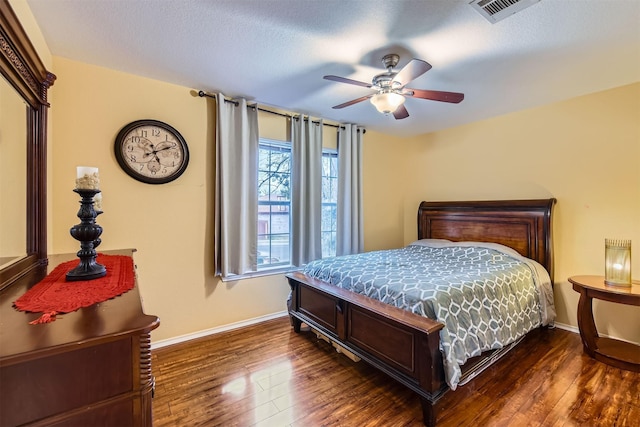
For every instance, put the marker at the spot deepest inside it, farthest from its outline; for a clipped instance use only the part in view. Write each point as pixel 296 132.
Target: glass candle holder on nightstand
pixel 617 262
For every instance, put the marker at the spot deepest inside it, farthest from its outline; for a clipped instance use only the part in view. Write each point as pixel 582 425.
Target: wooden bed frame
pixel 402 344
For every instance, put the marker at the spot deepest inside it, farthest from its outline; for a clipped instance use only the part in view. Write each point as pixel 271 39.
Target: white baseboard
pixel 575 330
pixel 216 330
pixel 566 327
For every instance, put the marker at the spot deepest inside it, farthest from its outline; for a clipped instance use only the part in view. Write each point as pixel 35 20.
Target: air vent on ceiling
pixel 497 10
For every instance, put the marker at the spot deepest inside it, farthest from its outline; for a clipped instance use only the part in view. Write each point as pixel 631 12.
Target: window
pixel 329 202
pixel 274 203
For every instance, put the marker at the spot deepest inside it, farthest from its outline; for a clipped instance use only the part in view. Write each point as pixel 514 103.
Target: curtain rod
pixel 208 95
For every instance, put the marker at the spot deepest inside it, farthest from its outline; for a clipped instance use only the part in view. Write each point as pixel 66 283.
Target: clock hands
pixel 167 145
pixel 152 159
pixel 155 152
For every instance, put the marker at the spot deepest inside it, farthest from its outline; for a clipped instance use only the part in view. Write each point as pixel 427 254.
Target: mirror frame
pixel 21 66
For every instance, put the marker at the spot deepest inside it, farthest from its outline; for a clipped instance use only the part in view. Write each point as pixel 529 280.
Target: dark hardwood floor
pixel 267 375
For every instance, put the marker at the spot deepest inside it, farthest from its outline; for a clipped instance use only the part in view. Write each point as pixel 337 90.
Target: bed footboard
pixel 403 345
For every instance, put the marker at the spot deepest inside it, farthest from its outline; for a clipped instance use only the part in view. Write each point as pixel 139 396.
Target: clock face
pixel 151 151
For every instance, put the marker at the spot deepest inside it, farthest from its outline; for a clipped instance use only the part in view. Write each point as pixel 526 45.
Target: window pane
pixel 329 200
pixel 263 184
pixel 274 176
pixel 329 217
pixel 328 244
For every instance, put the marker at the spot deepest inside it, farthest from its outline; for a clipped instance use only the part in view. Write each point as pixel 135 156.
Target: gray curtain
pixel 306 190
pixel 350 218
pixel 236 187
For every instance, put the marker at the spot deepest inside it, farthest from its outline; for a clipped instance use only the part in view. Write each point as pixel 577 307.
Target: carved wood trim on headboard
pixel 524 225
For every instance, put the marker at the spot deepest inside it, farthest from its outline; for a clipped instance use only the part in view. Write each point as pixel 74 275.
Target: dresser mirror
pixel 23 151
pixel 13 175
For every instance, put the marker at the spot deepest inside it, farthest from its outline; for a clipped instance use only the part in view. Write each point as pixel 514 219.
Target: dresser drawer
pixel 44 386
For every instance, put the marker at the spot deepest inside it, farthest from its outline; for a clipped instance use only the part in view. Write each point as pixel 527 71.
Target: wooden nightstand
pixel 614 352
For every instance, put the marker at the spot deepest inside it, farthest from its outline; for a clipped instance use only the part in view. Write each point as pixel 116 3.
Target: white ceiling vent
pixel 497 10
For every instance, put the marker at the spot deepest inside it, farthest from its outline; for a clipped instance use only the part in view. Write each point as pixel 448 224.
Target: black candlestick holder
pixel 98 240
pixel 88 234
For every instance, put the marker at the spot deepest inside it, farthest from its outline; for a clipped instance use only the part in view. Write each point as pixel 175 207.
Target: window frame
pixel 332 153
pixel 282 265
pixel 286 266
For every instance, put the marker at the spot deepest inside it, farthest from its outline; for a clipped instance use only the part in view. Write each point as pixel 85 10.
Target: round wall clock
pixel 151 151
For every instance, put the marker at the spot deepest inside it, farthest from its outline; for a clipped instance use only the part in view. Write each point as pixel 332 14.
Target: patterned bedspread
pixel 486 296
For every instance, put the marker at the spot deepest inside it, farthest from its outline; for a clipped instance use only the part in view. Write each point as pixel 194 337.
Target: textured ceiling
pixel 277 51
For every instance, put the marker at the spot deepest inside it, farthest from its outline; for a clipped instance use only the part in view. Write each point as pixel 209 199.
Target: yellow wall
pixel 168 224
pixel 385 183
pixel 585 152
pixel 28 22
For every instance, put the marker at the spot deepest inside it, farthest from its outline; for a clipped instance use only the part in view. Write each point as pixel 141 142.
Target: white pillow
pixel 434 243
pixel 443 243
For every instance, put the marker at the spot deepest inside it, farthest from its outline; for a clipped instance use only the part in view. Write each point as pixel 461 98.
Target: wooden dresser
pixel 91 367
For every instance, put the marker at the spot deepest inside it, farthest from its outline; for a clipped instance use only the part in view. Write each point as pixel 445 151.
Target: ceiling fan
pixel 391 87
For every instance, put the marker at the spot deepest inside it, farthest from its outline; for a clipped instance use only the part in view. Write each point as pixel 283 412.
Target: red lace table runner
pixel 53 295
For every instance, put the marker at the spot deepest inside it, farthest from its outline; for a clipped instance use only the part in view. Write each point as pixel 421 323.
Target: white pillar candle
pixel 87 178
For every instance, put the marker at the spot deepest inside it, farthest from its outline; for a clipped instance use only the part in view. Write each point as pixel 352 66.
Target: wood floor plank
pixel 267 375
pixel 530 397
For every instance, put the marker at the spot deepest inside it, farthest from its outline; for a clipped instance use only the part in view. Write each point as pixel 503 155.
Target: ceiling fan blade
pixel 434 95
pixel 401 113
pixel 348 81
pixel 414 69
pixel 353 101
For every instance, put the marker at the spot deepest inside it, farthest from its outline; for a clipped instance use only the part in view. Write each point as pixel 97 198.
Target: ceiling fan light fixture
pixel 387 102
pixel 390 87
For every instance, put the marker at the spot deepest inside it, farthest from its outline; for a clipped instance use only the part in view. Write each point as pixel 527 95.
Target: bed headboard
pixel 524 225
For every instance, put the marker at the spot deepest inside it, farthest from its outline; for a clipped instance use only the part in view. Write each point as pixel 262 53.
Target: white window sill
pixel 261 273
